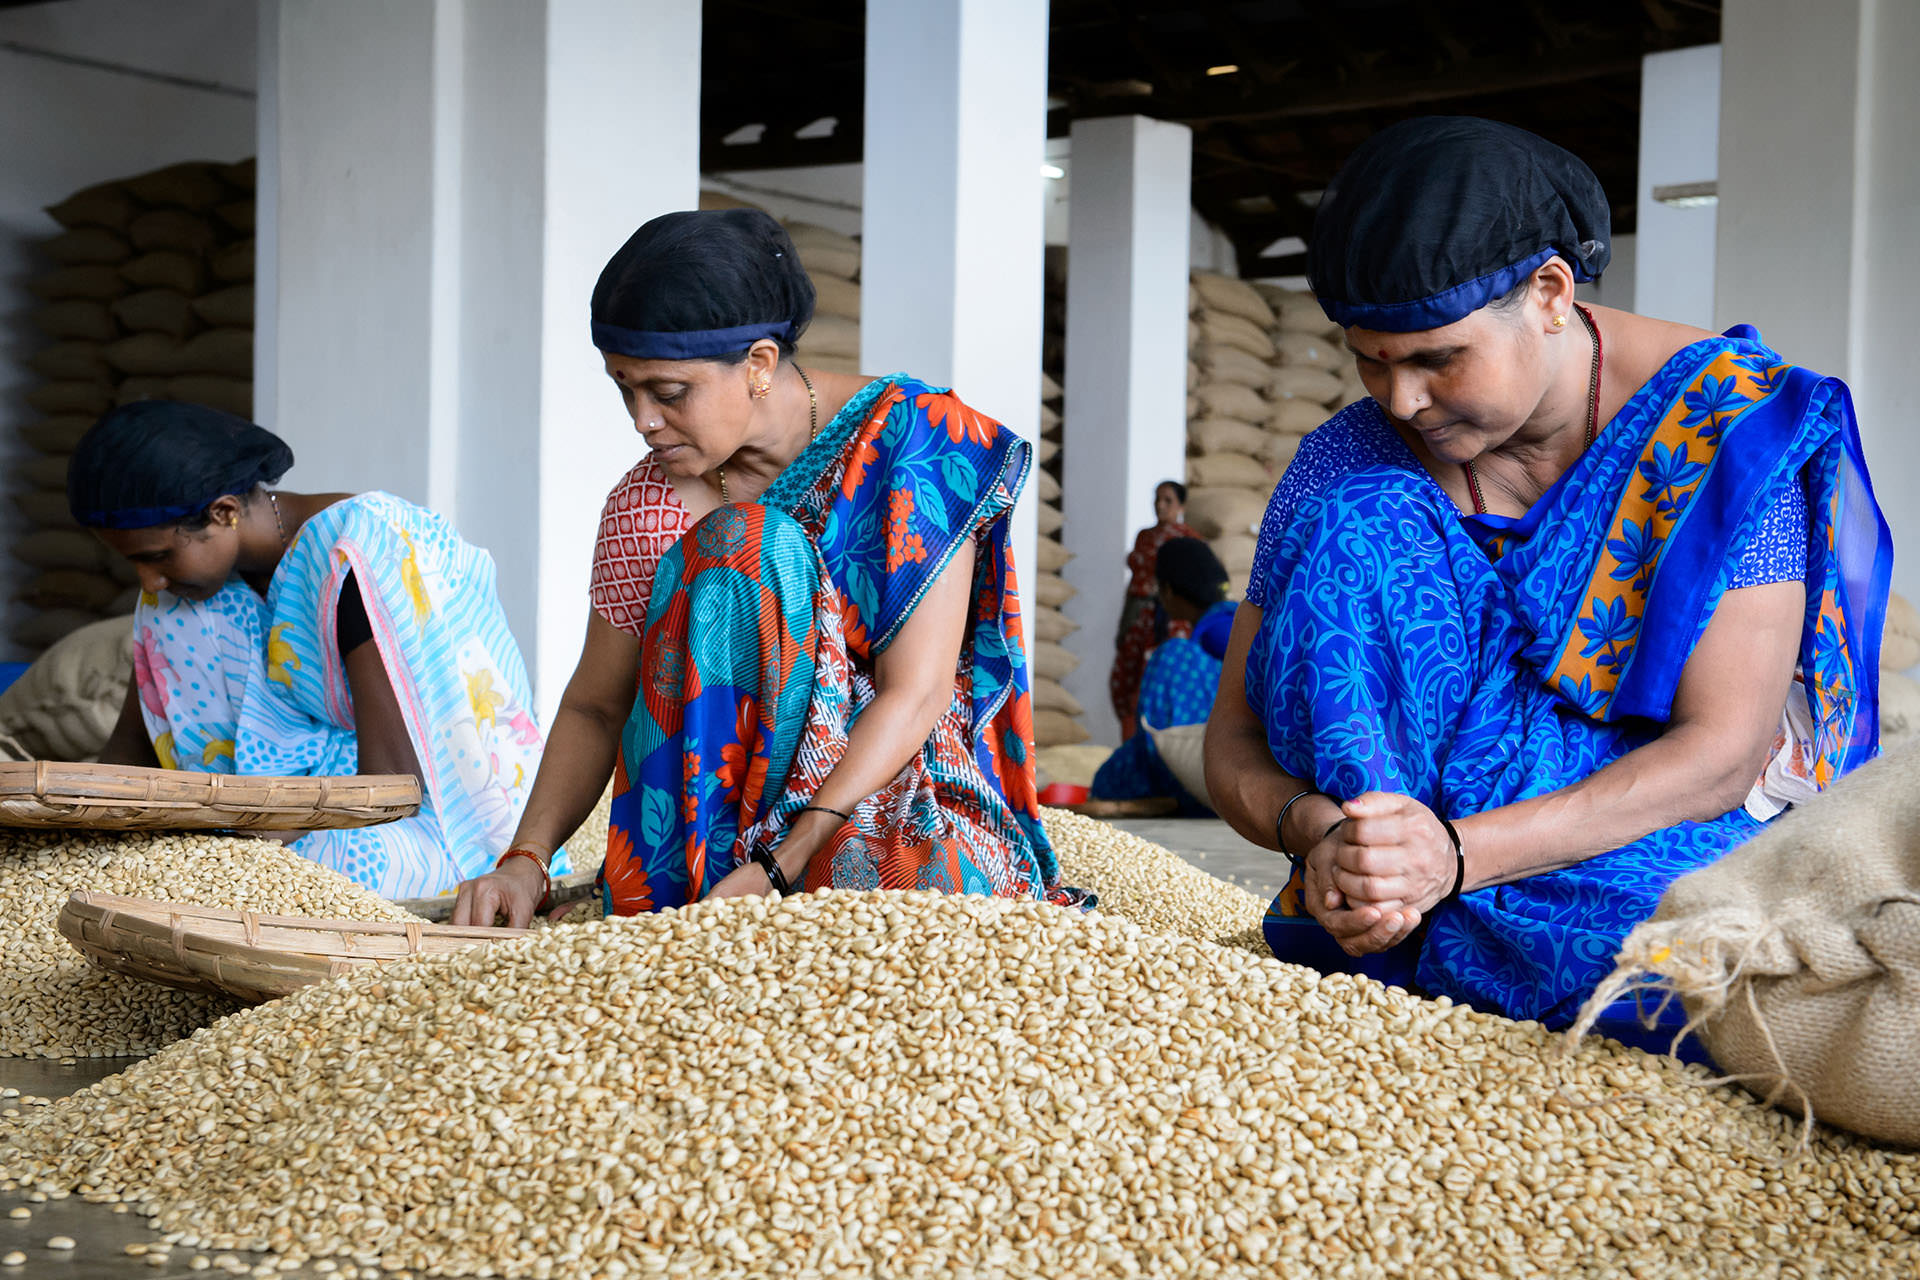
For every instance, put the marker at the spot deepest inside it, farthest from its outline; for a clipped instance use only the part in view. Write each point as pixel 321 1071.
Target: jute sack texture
pixel 1797 955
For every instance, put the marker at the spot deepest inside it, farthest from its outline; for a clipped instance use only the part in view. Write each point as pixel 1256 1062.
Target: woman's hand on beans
pixel 513 891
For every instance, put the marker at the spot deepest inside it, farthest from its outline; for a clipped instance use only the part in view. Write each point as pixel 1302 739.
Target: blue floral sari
pixel 1476 661
pixel 242 684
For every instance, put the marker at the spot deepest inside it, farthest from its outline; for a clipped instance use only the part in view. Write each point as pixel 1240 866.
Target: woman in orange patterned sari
pixel 832 687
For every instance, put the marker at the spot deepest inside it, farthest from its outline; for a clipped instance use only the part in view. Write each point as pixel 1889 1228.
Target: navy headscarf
pixel 156 462
pixel 1432 219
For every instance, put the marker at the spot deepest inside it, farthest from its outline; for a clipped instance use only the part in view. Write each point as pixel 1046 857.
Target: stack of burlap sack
pixel 148 294
pixel 1899 692
pixel 1265 367
pixel 832 260
pixel 1056 712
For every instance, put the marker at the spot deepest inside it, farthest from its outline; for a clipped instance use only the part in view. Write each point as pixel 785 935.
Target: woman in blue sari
pixel 310 634
pixel 1575 603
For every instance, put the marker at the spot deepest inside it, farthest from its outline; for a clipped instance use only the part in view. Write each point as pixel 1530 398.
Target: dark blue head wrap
pixel 1432 219
pixel 696 285
pixel 156 462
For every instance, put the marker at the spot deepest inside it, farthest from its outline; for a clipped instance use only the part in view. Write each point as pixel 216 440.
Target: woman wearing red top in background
pixel 1142 622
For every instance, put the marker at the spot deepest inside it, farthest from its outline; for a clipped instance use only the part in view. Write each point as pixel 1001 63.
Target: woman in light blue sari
pixel 310 635
pixel 1575 603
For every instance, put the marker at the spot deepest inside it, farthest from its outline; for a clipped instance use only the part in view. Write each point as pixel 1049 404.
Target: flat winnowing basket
pixel 575 886
pixel 244 954
pixel 106 797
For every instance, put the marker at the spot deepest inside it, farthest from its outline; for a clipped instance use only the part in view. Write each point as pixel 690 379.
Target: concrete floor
pixel 101 1235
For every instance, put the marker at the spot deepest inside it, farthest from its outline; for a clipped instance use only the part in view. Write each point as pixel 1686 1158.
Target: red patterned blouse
pixel 642 518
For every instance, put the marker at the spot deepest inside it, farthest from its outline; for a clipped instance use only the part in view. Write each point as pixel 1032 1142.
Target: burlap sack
pixel 1048 517
pixel 1050 555
pixel 1051 695
pixel 1277 450
pixel 76 318
pixel 1235 551
pixel 1213 512
pixel 832 336
pixel 1073 765
pixel 71 589
pixel 1296 417
pixel 241 175
pixel 95 281
pixel 1050 422
pixel 1224 435
pixel 107 205
pixel 1052 590
pixel 1051 624
pixel 1899 707
pixel 1183 749
pixel 46 509
pixel 45 472
pixel 194 184
pixel 1230 364
pixel 229 395
pixel 1052 660
pixel 1900 641
pixel 237 215
pixel 65 704
pixel 711 200
pixel 1305 348
pixel 1047 449
pixel 1194 374
pixel 1057 729
pixel 832 296
pixel 1229 470
pixel 85 245
pixel 1050 389
pixel 93 397
pixel 144 386
pixel 1046 486
pixel 61 549
pixel 1797 955
pixel 58 434
pixel 1234 297
pixel 231 307
pixel 1232 400
pixel 172 229
pixel 1232 331
pixel 147 353
pixel 233 264
pixel 221 351
pixel 829 364
pixel 157 311
pixel 1303 382
pixel 70 361
pixel 166 270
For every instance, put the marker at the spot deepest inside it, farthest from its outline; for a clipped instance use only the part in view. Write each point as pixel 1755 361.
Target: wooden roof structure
pixel 1310 80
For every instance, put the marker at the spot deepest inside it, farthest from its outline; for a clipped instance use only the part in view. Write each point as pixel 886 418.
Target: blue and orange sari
pixel 758 657
pixel 1476 661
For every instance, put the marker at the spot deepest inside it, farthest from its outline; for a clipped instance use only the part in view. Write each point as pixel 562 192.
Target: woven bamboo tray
pixel 106 797
pixel 573 887
pixel 244 954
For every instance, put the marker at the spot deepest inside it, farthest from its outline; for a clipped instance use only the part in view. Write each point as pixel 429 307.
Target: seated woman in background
pixel 802 664
pixel 1574 604
pixel 309 634
pixel 1142 623
pixel 1182 673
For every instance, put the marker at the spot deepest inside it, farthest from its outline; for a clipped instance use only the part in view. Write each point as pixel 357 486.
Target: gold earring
pixel 1559 322
pixel 761 387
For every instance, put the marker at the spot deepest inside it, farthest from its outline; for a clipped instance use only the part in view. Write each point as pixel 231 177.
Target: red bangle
pixel 538 861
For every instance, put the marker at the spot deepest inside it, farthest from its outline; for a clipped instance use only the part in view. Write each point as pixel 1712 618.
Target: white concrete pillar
pixel 953 244
pixel 1679 145
pixel 1819 208
pixel 1126 374
pixel 437 198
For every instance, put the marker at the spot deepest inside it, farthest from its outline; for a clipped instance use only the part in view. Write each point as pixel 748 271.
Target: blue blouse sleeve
pixel 1777 551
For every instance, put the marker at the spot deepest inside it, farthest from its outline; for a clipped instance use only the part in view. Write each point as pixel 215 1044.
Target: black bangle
pixel 1459 862
pixel 1280 823
pixel 775 876
pixel 820 808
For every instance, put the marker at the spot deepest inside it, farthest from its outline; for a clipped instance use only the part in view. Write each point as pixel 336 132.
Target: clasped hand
pixel 1375 875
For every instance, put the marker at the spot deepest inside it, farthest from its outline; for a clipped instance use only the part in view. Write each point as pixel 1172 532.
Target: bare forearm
pixel 574 770
pixel 1681 776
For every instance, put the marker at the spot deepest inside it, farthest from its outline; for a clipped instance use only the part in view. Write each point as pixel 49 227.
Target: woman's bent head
pixel 693 316
pixel 1448 249
pixel 167 484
